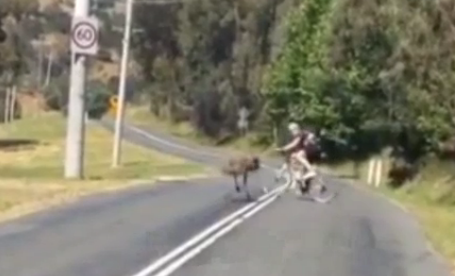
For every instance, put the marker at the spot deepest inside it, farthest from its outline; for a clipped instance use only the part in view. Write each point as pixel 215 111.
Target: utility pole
pixel 76 106
pixel 6 105
pixel 13 103
pixel 116 151
pixel 40 64
pixel 50 60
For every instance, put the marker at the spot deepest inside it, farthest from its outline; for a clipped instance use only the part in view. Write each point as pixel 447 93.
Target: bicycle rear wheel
pixel 322 194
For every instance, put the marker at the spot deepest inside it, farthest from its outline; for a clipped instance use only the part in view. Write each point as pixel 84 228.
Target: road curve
pixel 358 234
pixel 121 234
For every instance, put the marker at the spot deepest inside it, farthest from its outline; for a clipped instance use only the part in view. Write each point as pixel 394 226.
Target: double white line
pixel 173 260
pixel 170 262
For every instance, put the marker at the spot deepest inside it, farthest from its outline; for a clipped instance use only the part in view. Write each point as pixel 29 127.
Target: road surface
pixel 124 234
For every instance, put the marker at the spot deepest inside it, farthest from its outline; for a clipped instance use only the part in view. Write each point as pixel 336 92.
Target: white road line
pixel 171 144
pixel 177 146
pixel 198 249
pixel 204 234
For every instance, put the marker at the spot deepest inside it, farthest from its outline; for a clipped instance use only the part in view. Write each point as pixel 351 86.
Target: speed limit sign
pixel 84 35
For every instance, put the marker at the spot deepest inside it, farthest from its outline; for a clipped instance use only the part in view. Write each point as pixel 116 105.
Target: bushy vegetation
pixel 381 78
pixel 36 54
pixel 367 75
pixel 206 58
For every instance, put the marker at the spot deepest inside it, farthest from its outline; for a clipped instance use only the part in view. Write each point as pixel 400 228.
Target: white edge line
pixel 171 144
pixel 195 251
pixel 204 234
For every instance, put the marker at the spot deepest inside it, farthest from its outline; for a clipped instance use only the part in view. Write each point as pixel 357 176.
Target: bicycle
pixel 295 175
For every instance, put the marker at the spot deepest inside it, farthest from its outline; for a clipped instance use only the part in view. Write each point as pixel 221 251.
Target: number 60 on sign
pixel 84 35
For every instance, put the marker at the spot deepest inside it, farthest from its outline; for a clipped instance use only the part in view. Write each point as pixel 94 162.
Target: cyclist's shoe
pixel 323 189
pixel 309 175
pixel 304 189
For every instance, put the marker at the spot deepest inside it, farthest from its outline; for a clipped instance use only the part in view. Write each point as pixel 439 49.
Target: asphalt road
pixel 354 236
pixel 358 234
pixel 118 234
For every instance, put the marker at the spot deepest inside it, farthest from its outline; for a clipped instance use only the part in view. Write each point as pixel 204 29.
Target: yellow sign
pixel 113 104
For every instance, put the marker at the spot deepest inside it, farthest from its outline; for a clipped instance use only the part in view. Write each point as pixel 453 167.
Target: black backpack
pixel 313 150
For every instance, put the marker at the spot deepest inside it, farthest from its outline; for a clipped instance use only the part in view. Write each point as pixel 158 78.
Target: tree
pixel 11 14
pixel 205 59
pixel 3 34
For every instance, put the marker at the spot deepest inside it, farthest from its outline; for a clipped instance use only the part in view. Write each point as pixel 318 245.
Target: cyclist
pixel 299 148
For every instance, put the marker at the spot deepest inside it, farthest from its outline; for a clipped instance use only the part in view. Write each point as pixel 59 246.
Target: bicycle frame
pixel 294 173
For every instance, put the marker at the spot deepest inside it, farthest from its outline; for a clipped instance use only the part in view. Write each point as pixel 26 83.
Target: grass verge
pixel 438 220
pixel 31 165
pixel 431 199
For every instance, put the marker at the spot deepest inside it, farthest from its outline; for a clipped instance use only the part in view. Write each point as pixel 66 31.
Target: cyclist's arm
pixel 294 143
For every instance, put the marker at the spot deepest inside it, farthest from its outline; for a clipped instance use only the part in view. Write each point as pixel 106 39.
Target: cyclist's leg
pixel 299 170
pixel 310 177
pixel 309 169
pixel 298 185
pixel 291 173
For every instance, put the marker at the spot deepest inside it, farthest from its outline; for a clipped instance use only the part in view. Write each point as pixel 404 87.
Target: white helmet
pixel 294 128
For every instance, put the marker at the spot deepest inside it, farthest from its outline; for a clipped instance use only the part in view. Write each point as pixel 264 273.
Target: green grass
pixel 46 159
pixel 32 174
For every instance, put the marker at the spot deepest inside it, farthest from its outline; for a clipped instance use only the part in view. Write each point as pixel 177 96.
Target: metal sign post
pixel 84 41
pixel 242 123
pixel 116 149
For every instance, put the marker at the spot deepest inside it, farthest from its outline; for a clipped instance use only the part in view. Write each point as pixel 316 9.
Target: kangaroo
pixel 242 166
